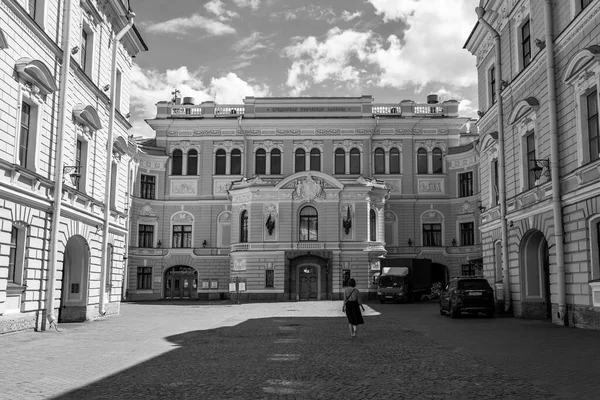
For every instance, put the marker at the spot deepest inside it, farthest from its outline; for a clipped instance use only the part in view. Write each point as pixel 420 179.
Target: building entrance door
pixel 308 283
pixel 181 282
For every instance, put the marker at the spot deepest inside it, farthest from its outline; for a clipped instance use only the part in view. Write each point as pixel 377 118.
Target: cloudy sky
pixel 224 50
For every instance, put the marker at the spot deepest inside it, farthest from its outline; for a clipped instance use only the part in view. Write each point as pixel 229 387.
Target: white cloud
pixel 253 4
pixel 196 21
pixel 348 16
pixel 150 86
pixel 251 43
pixel 217 7
pixel 393 10
pixel 315 62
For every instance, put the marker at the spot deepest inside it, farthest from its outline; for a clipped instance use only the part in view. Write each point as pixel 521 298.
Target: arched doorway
pixel 181 282
pixel 308 282
pixel 535 276
pixel 307 276
pixel 74 286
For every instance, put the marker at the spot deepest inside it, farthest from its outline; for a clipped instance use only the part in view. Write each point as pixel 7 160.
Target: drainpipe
pixel 501 158
pixel 125 285
pixel 109 144
pixel 561 315
pixel 58 165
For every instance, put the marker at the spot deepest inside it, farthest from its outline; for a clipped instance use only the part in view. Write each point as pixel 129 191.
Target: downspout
pixel 127 234
pixel 501 158
pixel 561 315
pixel 58 166
pixel 109 144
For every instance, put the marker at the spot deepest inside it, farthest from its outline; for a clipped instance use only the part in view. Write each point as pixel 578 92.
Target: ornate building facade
pixel 289 198
pixel 65 158
pixel 539 69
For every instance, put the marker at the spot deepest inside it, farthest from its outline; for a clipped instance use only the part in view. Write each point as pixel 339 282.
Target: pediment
pixel 87 116
pixel 580 60
pixel 36 73
pixel 522 108
pixel 324 180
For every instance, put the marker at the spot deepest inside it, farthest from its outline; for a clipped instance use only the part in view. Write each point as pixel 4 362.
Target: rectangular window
pixel 467 234
pixel 144 277
pixel 182 236
pixel 345 277
pixel 275 162
pixel 492 85
pixel 32 8
pixel 78 161
pixel 526 43
pixel 466 184
pixel 432 234
pixel 495 190
pixel 118 88
pixel 84 46
pixel 12 254
pixel 592 124
pixel 24 134
pixel 269 278
pixel 473 268
pixel 146 236
pixel 530 163
pixel 147 187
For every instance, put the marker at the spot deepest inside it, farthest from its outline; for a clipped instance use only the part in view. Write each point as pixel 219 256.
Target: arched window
pixel 236 162
pixel 244 227
pixel 299 160
pixel 315 160
pixel 355 161
pixel 372 226
pixel 192 162
pixel 275 162
pixel 177 163
pixel 394 161
pixel 220 162
pixel 340 161
pixel 421 161
pixel 379 161
pixel 437 161
pixel 309 224
pixel 260 162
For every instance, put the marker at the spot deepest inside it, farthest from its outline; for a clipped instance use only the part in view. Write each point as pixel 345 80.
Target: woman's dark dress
pixel 353 313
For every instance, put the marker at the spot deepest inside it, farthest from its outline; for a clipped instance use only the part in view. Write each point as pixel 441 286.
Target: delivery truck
pixel 404 279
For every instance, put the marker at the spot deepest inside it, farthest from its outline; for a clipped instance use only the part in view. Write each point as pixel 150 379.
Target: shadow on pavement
pixel 309 358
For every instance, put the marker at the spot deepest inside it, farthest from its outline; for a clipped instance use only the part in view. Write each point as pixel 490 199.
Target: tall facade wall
pixel 534 270
pixel 31 62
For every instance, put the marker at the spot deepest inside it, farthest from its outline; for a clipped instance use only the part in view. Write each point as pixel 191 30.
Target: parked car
pixel 467 294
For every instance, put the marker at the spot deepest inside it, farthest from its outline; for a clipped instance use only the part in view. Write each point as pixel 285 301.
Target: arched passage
pixel 535 276
pixel 74 287
pixel 181 282
pixel 439 273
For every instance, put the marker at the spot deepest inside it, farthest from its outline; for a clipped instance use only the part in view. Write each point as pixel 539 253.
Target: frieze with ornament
pixel 368 131
pixel 395 186
pixel 575 30
pixel 288 131
pixel 431 186
pixel 182 216
pixel 463 163
pixel 352 196
pixel 239 265
pixel 207 132
pixel 309 188
pixel 183 187
pixel 328 131
pixel 221 187
pixel 252 132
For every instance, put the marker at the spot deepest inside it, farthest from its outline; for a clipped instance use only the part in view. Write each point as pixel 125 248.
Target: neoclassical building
pixel 66 160
pixel 539 74
pixel 288 198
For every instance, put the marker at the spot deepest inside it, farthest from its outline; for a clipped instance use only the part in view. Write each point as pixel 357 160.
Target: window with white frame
pixel 144 277
pixel 236 162
pixel 220 162
pixel 147 187
pixel 192 162
pixel 16 254
pixel 492 86
pixel 495 192
pixel 224 229
pixel 372 225
pixel 118 90
pixel 354 161
pixel 391 229
pixel 591 123
pixel 432 234
pixel 394 161
pixel 594 229
pixel 315 160
pixel 467 234
pixel 309 224
pixel 379 160
pixel 340 161
pixel 299 160
pixel 498 260
pixel 110 255
pixel 81 163
pixel 437 161
pixel 114 178
pixel 87 49
pixel 525 43
pixel 260 162
pixel 422 161
pixel 28 132
pixel 275 162
pixel 145 236
pixel 530 156
pixel 177 162
pixel 465 184
pixel 269 278
pixel 182 236
pixel 244 227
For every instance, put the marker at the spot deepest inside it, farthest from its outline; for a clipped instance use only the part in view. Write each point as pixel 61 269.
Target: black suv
pixel 467 294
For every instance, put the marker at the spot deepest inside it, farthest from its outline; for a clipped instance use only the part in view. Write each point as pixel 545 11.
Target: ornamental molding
pixel 430 144
pixel 309 188
pixel 268 145
pixel 239 265
pixel 206 132
pixel 347 145
pixel 463 162
pixel 388 144
pixel 577 27
pixel 430 186
pixel 147 210
pixel 308 145
pixel 182 216
pixel 225 217
pixel 229 145
pixel 184 188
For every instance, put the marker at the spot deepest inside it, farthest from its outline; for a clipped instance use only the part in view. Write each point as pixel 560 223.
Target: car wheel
pixel 454 311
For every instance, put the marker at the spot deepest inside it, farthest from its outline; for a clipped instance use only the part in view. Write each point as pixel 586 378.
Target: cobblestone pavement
pixel 299 351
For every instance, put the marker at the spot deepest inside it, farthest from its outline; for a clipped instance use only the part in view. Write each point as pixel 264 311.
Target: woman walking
pixel 352 302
